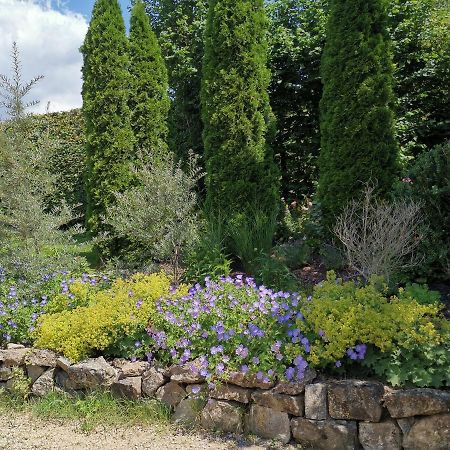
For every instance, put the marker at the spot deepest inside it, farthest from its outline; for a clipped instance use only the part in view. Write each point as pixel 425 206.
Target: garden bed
pixel 318 412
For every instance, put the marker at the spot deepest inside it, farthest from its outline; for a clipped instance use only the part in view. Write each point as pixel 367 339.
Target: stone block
pixel 430 433
pixel 295 387
pixel 171 394
pixel 127 388
pixel 223 416
pixel 325 434
pixel 290 404
pixel 152 380
pixel 316 406
pixel 187 412
pixel 231 392
pixel 380 436
pixel 355 400
pixel 417 402
pixel 268 423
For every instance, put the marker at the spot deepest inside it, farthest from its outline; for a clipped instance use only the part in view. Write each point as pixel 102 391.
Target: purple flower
pixel 338 364
pixel 241 351
pixel 255 360
pixel 137 344
pixel 290 372
pixel 139 303
pixel 244 368
pixel 195 389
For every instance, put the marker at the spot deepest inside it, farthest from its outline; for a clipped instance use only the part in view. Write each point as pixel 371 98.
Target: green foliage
pixel 99 408
pixel 231 325
pixel 423 365
pixel 109 137
pixel 238 122
pixel 149 100
pixel 420 293
pixel 63 132
pixel 296 40
pixel 19 385
pixel 428 182
pixel 251 237
pixel 34 238
pixel 421 44
pixel 342 316
pixel 125 309
pixel 357 125
pixel 159 214
pixel 180 26
pixel 207 257
pixel 293 254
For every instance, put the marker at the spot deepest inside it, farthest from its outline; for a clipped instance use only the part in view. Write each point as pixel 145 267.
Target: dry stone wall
pixel 316 413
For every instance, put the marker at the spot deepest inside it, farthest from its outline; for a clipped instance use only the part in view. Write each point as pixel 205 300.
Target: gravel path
pixel 26 432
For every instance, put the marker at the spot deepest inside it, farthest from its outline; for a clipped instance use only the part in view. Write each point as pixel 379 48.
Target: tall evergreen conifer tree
pixel 149 99
pixel 357 123
pixel 106 85
pixel 238 121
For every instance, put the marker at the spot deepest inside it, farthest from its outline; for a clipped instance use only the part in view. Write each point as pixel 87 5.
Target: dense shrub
pixel 33 236
pixel 350 319
pixel 109 137
pixel 357 124
pixel 238 122
pixel 63 132
pixel 149 99
pixel 106 320
pixel 158 215
pixel 428 182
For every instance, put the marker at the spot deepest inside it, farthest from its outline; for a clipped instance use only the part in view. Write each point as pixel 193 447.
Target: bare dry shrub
pixel 380 237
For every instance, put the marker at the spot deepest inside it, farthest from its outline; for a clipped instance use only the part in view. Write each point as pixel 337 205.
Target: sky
pixel 49 34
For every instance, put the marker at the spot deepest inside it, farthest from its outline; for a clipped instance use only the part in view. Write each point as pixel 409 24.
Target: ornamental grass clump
pixel 230 326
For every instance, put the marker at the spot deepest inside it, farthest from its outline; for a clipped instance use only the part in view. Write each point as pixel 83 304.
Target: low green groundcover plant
pixel 234 325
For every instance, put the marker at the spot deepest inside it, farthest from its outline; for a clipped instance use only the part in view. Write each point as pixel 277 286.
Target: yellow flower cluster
pixel 345 315
pixel 104 315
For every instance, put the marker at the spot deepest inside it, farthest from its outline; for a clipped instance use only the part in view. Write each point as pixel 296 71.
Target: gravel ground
pixel 26 432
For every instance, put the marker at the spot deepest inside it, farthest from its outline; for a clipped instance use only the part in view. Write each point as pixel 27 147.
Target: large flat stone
pixel 231 392
pixel 223 416
pixel 295 387
pixel 171 394
pixel 355 400
pixel 290 404
pixel 248 381
pixel 13 357
pixel 325 434
pixel 316 406
pixel 128 369
pixel 92 374
pixel 429 433
pixel 268 423
pixel 39 357
pixel 127 388
pixel 417 402
pixel 380 436
pixel 188 373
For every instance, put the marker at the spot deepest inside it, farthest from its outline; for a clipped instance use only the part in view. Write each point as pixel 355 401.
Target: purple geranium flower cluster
pixel 232 325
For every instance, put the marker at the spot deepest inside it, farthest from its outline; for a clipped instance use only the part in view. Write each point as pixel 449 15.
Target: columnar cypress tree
pixel 106 84
pixel 238 121
pixel 149 99
pixel 357 123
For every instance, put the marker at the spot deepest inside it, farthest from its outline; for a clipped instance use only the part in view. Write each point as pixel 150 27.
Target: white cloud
pixel 48 40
